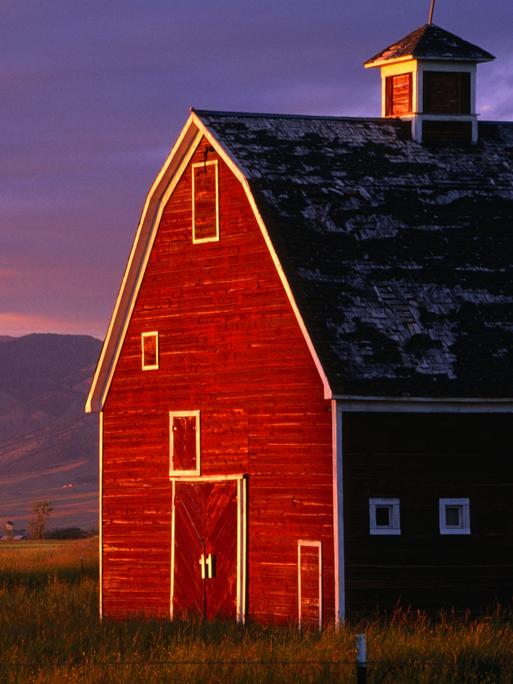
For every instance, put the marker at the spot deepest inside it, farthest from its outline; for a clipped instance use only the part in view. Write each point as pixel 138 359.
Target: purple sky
pixel 94 93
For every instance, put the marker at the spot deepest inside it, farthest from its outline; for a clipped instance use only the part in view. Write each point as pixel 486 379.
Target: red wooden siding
pixel 398 95
pixel 230 347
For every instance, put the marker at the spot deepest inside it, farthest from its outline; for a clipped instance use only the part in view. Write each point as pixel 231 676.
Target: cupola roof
pixel 430 42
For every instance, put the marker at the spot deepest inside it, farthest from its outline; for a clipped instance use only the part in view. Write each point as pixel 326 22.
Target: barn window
pixel 150 350
pixel 398 95
pixel 384 516
pixel 446 92
pixel 454 516
pixel 184 445
pixel 205 202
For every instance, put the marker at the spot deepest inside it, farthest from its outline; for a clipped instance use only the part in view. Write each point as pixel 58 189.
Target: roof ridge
pixel 274 115
pixel 321 117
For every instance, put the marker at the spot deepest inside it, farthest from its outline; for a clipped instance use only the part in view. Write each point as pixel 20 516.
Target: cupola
pixel 429 77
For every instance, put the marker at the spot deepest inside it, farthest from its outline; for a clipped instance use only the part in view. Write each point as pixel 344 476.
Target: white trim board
pixel 338 513
pixel 241 588
pixel 423 405
pixel 159 194
pixel 100 515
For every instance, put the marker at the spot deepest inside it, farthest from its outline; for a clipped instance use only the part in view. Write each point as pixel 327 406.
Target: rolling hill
pixel 48 446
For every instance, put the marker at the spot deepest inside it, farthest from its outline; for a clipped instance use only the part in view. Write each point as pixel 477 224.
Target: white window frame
pixel 214 238
pixel 464 503
pixel 184 473
pixel 395 526
pixel 144 335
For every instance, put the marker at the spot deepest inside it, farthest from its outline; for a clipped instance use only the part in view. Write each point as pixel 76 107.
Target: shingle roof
pixel 400 256
pixel 431 42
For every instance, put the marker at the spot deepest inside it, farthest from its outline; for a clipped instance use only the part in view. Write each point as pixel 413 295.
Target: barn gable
pixel 160 192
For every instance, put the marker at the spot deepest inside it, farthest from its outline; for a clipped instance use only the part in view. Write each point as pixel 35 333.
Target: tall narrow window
pixel 184 445
pixel 150 350
pixel 454 516
pixel 205 202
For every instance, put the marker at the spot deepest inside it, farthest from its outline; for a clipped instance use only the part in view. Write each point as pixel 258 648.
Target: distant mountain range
pixel 48 446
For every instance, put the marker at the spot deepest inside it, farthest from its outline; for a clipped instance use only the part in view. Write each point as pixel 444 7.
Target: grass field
pixel 49 633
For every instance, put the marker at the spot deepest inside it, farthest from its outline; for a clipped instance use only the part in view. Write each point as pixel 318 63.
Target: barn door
pixel 207 573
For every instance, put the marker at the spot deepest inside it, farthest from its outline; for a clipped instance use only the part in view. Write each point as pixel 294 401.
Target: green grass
pixel 49 632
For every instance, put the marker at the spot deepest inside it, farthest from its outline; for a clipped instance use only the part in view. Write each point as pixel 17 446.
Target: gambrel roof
pixel 431 42
pixel 398 256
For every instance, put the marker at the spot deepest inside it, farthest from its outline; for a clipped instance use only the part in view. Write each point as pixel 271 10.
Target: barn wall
pixel 229 346
pixel 419 459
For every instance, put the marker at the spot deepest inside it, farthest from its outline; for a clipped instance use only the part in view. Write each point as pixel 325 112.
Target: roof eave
pixel 115 335
pixel 372 64
pixel 426 58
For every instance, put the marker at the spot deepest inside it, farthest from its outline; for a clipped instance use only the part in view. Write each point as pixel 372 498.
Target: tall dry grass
pixel 49 633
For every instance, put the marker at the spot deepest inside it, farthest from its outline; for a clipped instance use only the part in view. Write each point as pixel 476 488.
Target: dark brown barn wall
pixel 231 347
pixel 419 459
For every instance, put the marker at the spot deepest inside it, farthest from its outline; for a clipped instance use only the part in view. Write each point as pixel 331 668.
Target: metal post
pixel 361 659
pixel 431 11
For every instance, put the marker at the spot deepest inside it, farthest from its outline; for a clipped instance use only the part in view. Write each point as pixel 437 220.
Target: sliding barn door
pixel 207 551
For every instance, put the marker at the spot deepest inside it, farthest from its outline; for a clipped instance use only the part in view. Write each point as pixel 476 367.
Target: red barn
pixel 306 386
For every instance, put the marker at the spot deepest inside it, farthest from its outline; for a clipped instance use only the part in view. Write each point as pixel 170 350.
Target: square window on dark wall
pixel 150 350
pixel 205 202
pixel 454 516
pixel 184 443
pixel 384 516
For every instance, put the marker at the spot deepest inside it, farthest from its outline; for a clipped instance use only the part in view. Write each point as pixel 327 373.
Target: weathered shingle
pixel 400 256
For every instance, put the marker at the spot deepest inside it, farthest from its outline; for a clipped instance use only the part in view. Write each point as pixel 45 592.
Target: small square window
pixel 384 516
pixel 205 202
pixel 150 350
pixel 454 516
pixel 184 444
